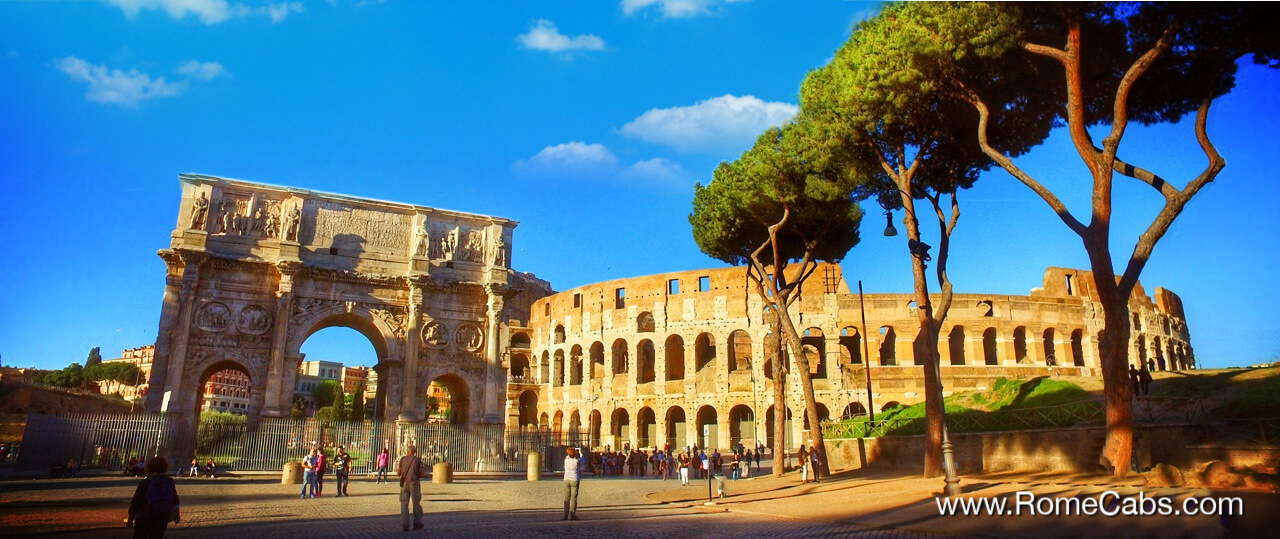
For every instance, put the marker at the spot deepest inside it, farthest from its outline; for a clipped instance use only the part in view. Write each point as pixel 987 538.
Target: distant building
pixel 142 357
pixel 310 375
pixel 227 391
pixel 353 378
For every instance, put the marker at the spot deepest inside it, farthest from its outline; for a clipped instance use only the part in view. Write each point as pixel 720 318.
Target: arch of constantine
pixel 686 357
pixel 253 270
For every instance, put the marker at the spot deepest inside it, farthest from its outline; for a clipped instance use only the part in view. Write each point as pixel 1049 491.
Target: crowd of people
pixel 667 463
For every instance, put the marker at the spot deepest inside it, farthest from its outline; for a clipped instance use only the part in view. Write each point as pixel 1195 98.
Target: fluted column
pixel 495 383
pixel 278 401
pixel 409 411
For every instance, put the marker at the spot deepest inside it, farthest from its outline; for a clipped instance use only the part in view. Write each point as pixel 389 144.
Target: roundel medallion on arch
pixel 469 337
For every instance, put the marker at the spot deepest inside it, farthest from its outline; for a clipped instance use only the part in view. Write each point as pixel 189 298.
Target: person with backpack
pixel 342 469
pixel 155 502
pixel 309 474
pixel 411 472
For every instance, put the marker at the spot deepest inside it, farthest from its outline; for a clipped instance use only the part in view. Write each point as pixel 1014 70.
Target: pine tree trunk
pixel 779 404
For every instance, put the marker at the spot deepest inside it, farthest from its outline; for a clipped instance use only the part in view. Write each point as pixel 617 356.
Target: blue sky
pixel 588 122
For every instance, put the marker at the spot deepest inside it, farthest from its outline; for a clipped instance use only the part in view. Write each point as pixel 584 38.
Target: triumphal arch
pixel 254 269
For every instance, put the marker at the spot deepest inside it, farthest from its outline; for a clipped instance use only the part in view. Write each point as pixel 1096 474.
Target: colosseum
pixel 680 358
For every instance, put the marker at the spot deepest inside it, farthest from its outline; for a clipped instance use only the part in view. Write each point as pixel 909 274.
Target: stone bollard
pixel 535 466
pixel 291 474
pixel 442 473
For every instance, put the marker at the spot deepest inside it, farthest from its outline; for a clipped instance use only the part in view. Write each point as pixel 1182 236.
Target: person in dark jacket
pixel 155 502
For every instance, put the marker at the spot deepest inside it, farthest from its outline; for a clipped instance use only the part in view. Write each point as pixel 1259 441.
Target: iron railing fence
pixel 110 441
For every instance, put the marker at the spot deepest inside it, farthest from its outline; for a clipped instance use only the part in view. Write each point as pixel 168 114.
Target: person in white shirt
pixel 571 482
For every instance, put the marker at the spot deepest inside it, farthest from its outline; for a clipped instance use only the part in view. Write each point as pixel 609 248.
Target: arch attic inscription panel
pixel 252 270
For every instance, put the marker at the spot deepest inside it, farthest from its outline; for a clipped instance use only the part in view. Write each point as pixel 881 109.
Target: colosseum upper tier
pixel 681 358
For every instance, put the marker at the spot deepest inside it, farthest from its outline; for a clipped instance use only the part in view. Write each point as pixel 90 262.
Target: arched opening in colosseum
pixel 704 351
pixel 557 423
pixel 890 405
pixel 888 346
pixel 559 334
pixel 850 346
pixel 989 347
pixel 742 426
pixel 955 345
pixel 854 409
pixel 646 428
pixel 646 362
pixel 619 357
pixel 823 415
pixel 1159 352
pixel 739 351
pixel 575 427
pixel 814 344
pixel 454 402
pixel 1050 343
pixel 557 369
pixel 1077 348
pixel 544 368
pixel 593 432
pixel 676 430
pixel 528 408
pixel 644 322
pixel 1142 352
pixel 769 429
pixel 597 361
pixel 544 421
pixel 575 365
pixel 1020 344
pixel 520 368
pixel 675 358
pixel 620 427
pixel 520 340
pixel 708 429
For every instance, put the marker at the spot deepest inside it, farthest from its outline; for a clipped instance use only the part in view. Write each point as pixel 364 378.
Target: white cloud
pixel 579 159
pixel 657 168
pixel 208 11
pixel 544 36
pixel 201 70
pixel 572 158
pixel 278 12
pixel 115 86
pixel 719 123
pixel 673 9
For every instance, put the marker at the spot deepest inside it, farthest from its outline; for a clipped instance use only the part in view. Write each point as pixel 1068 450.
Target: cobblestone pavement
pixel 881 504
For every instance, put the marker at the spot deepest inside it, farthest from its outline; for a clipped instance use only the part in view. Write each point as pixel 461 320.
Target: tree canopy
pixel 327 392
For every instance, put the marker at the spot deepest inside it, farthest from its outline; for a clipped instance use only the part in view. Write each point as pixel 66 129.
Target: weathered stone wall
pixel 681 358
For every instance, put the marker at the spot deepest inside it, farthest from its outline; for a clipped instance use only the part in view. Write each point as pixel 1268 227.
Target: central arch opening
pixel 448 400
pixel 340 360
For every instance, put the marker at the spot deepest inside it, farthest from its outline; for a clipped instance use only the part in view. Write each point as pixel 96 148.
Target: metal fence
pixel 109 441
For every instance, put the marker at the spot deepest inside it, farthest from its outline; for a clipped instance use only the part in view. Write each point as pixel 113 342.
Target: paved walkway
pixel 883 503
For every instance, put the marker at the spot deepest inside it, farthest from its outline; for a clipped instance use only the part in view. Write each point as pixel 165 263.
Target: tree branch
pixel 1120 110
pixel 984 117
pixel 1143 175
pixel 1045 50
pixel 1173 205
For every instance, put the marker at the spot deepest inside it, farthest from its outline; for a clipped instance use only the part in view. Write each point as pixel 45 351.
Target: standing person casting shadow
pixel 411 473
pixel 155 502
pixel 572 467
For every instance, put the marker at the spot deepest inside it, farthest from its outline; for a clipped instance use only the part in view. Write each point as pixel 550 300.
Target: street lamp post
pixel 920 250
pixel 866 352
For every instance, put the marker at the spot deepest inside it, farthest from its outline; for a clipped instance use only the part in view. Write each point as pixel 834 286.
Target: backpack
pixel 159 500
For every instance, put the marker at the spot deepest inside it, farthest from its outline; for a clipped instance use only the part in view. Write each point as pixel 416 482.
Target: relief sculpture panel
pixel 384 230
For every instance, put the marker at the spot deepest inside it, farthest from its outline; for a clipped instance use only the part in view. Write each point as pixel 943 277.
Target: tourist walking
pixel 572 480
pixel 384 462
pixel 815 462
pixel 803 457
pixel 1144 379
pixel 309 474
pixel 1136 379
pixel 411 473
pixel 321 467
pixel 758 452
pixel 342 469
pixel 155 502
pixel 684 469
